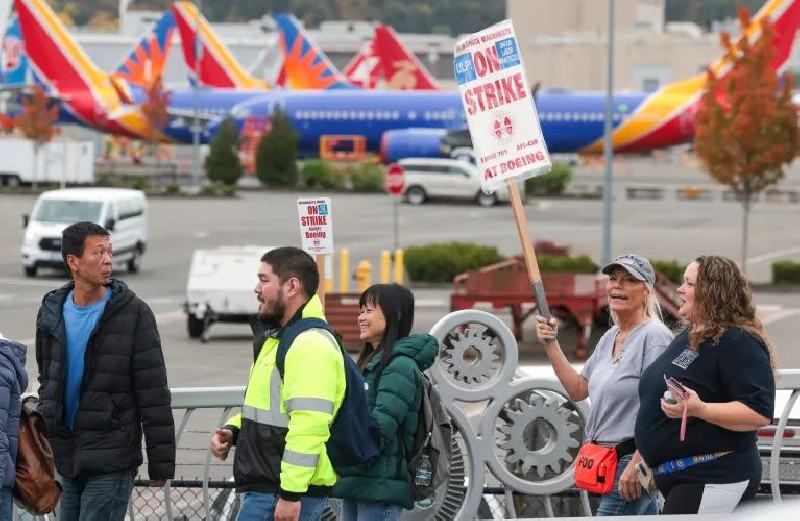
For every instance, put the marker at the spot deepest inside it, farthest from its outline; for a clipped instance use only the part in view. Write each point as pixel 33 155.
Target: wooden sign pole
pixel 527 248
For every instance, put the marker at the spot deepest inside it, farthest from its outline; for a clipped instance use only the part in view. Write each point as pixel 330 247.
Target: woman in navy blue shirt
pixel 725 363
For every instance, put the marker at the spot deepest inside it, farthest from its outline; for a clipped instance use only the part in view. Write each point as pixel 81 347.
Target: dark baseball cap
pixel 636 265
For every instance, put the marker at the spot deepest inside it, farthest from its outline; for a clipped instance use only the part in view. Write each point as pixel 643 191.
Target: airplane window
pixel 395 115
pixel 412 115
pixel 426 116
pixel 370 115
pixel 352 114
pixel 362 114
pixel 567 116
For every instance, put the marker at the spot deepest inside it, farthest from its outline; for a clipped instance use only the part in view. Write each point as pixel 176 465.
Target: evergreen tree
pixel 222 163
pixel 276 156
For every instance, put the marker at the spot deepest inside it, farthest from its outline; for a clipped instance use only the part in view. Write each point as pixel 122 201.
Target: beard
pixel 274 310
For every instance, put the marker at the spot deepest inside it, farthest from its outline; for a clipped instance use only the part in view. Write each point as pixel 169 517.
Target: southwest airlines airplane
pixel 404 124
pixel 397 124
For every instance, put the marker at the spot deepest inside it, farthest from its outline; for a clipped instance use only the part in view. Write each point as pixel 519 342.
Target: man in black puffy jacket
pixel 102 382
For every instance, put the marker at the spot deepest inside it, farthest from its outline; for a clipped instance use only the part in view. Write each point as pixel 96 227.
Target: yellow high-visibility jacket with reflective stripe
pixel 284 423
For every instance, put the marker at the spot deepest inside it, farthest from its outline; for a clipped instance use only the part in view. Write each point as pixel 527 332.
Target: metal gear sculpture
pixel 477 370
pixel 527 435
pixel 523 416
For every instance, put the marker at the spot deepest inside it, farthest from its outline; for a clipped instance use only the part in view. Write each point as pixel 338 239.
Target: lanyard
pixel 675 465
pixel 683 420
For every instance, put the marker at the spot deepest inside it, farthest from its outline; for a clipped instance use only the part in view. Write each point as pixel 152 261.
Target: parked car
pixel 439 178
pixel 121 211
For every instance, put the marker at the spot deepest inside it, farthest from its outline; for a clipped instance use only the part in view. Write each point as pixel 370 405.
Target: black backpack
pixel 432 449
pixel 354 432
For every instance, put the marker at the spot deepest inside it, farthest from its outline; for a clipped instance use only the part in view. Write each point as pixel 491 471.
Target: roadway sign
pixel 395 179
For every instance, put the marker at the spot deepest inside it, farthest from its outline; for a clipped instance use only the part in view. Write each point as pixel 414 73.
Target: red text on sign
pixel 513 164
pixel 495 94
pixel 314 220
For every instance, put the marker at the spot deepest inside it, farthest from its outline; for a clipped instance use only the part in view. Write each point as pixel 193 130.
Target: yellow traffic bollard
pixel 386 267
pixel 399 266
pixel 329 264
pixel 344 271
pixel 363 275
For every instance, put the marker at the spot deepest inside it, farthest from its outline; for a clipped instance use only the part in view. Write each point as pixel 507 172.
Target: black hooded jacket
pixel 123 392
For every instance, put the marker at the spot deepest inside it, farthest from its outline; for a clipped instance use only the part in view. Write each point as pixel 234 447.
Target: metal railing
pixel 209 493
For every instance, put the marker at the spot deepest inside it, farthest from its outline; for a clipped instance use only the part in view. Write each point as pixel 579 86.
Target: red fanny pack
pixel 596 468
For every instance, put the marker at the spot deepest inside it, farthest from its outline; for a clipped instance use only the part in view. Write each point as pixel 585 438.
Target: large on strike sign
pixel 316 225
pixel 501 114
pixel 395 179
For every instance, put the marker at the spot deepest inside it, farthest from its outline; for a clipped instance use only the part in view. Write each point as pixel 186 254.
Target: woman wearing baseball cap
pixel 700 438
pixel 610 378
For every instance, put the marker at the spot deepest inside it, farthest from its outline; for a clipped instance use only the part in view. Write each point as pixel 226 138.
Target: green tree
pixel 746 122
pixel 276 155
pixel 222 163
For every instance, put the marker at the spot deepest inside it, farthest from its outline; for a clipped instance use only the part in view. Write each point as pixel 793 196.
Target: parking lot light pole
pixel 608 140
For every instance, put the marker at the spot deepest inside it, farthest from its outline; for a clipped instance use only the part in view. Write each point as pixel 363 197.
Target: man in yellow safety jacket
pixel 281 465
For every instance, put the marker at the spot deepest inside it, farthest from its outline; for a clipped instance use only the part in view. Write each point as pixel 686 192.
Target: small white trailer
pixel 220 287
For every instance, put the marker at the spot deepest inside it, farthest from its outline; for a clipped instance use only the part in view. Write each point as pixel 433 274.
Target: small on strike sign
pixel 316 225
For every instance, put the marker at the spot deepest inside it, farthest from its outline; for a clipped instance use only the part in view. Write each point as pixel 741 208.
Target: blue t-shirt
pixel 79 322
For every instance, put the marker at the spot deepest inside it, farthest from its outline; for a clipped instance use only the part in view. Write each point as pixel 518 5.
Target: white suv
pixel 433 178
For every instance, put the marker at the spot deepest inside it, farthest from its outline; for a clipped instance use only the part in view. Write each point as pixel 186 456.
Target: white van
pixel 438 178
pixel 121 211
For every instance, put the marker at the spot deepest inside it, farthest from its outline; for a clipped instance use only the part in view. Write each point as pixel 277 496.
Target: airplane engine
pixel 411 142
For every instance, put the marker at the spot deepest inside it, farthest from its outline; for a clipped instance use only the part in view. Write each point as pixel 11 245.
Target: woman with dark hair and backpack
pixel 392 361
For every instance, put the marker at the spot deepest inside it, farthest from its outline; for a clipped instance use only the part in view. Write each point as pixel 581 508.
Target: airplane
pixel 104 101
pixel 417 123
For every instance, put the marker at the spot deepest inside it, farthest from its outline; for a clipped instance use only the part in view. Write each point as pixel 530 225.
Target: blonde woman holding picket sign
pixel 607 462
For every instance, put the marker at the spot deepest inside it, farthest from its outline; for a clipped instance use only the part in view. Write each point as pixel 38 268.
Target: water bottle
pixel 424 473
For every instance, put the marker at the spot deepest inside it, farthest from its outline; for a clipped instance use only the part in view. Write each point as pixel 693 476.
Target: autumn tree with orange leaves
pixel 154 108
pixel 35 121
pixel 746 122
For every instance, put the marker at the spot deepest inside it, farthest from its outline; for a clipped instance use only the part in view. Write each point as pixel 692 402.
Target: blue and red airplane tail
pixel 13 60
pixel 305 64
pixel 145 63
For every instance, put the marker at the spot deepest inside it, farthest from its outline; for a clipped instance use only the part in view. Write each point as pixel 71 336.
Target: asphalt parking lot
pixel 363 224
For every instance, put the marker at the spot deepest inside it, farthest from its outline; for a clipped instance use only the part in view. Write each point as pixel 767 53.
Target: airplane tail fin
pixel 145 63
pixel 13 60
pixel 364 69
pixel 785 18
pixel 52 52
pixel 305 64
pixel 401 68
pixel 216 66
pixel 668 115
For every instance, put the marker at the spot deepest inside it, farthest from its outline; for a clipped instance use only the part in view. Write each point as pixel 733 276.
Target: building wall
pixel 567 48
